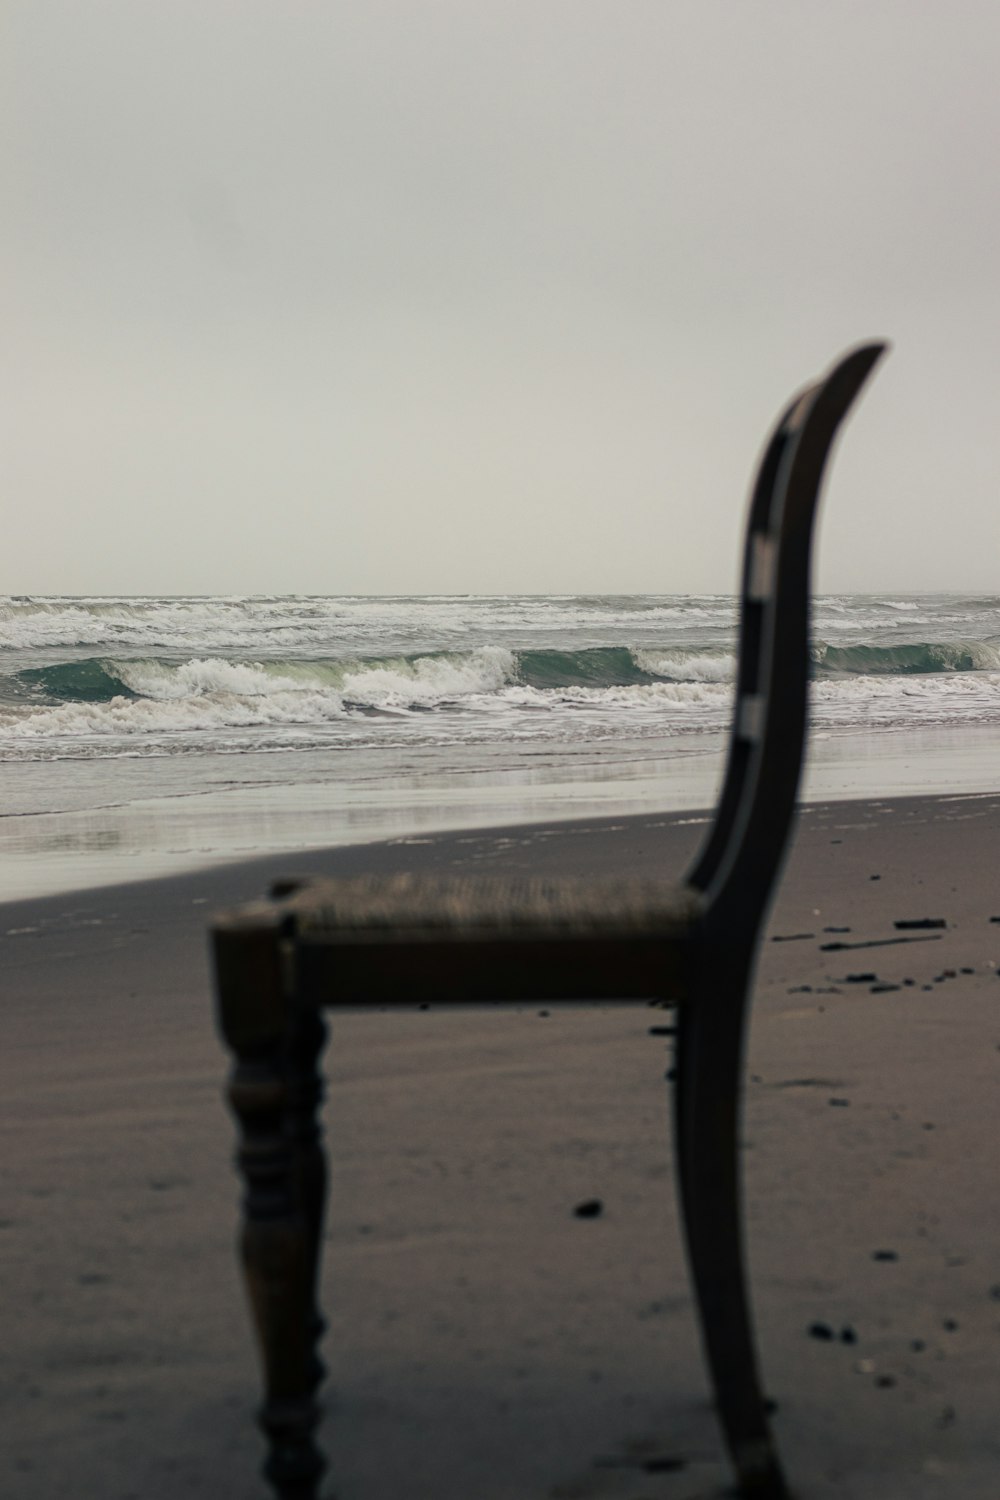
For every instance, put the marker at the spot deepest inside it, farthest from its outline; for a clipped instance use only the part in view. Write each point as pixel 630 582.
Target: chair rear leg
pixel 309 1163
pixel 709 1060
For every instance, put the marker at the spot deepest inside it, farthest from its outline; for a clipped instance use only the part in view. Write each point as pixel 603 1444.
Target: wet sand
pixel 485 1341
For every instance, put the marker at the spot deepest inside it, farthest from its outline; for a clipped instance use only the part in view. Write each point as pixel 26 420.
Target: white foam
pixel 884 700
pixel 296 623
pixel 429 680
pixel 687 667
pixel 148 716
pixel 393 682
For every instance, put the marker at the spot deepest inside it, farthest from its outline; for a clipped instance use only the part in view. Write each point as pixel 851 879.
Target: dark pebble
pixel 663 1031
pixel 860 978
pixel 918 1346
pixel 848 1335
pixel 949 1325
pixel 882 989
pixel 821 1331
pixel 967 971
pixel 590 1208
pixel 995 1291
pixel 836 929
pixel 885 1382
pixel 884 1255
pixel 791 937
pixel 671 1075
pixel 839 1103
pixel 918 922
pixel 874 877
pixel 544 1013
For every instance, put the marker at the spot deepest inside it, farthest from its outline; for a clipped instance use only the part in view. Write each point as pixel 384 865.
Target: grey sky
pixel 493 296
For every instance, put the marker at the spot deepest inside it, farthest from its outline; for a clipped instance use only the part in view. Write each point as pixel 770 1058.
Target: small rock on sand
pixel 590 1208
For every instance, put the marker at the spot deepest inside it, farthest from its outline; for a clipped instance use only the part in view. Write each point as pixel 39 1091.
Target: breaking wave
pixel 390 681
pixel 157 695
pixel 131 677
pixel 904 660
pixel 84 695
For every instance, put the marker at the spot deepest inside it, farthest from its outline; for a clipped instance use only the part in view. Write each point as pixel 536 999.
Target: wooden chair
pixel 376 941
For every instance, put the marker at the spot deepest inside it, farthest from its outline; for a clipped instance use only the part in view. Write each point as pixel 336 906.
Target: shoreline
pixel 248 876
pixel 123 839
pixel 484 1339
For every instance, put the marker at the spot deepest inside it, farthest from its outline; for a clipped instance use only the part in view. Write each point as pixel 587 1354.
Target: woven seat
pixel 415 908
pixel 380 941
pixel 401 939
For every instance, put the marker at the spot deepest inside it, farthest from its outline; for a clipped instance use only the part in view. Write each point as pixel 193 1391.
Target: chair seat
pixel 406 938
pixel 393 908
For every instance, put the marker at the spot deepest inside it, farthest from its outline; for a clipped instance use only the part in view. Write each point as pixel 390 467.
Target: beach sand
pixel 485 1342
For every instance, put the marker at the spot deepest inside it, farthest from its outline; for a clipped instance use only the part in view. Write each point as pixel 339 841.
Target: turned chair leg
pixel 706 1105
pixel 274 1092
pixel 309 1163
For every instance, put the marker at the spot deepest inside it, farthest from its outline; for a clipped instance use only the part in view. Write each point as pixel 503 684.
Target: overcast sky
pixel 344 296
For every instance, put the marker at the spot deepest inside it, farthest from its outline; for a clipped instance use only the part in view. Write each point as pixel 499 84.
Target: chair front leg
pixel 273 1094
pixel 706 1122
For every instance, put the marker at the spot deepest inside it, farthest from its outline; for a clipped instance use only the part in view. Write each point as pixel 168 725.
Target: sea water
pixel 141 735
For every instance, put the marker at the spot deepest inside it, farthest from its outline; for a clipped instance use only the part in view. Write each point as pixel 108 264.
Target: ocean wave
pixel 309 718
pixel 229 623
pixel 135 695
pixel 143 696
pixel 442 677
pixel 378 681
pixel 595 666
pixel 211 675
pixel 919 657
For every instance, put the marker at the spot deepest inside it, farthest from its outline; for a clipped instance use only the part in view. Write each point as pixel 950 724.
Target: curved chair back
pixel 745 846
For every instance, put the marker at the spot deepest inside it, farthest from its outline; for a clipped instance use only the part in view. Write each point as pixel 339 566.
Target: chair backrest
pixel 746 843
